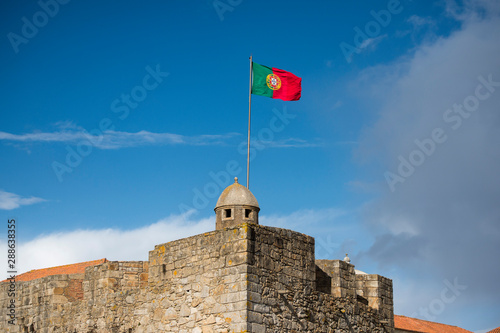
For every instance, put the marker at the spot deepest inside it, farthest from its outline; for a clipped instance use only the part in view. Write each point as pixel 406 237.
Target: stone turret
pixel 236 205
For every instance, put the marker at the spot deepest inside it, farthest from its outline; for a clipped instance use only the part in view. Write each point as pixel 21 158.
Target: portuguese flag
pixel 275 83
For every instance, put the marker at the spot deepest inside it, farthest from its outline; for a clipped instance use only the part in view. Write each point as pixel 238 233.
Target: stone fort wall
pixel 247 278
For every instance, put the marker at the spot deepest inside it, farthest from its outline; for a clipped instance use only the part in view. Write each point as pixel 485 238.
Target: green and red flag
pixel 275 83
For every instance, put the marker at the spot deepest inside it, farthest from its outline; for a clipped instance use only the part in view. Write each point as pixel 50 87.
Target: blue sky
pixel 122 122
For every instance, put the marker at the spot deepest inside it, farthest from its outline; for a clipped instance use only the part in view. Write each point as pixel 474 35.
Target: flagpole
pixel 249 112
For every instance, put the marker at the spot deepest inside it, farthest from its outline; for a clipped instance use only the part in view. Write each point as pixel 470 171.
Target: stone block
pixel 254 317
pixel 372 292
pixel 233 297
pixel 237 259
pixel 207 329
pixel 254 297
pixel 59 299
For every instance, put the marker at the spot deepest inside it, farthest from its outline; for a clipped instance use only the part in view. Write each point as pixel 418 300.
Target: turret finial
pixel 347 259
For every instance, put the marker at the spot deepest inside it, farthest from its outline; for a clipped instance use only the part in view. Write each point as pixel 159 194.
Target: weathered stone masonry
pixel 242 278
pixel 246 278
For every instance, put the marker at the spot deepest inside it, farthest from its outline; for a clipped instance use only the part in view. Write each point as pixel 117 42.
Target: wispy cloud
pixel 418 21
pixel 9 201
pixel 473 9
pixel 110 139
pixel 417 26
pixel 371 43
pixel 337 105
pixel 293 143
pixel 71 134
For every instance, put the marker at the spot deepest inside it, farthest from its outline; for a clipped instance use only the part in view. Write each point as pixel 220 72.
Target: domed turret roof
pixel 236 194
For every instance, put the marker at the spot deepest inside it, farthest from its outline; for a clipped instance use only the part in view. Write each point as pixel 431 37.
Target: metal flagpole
pixel 249 111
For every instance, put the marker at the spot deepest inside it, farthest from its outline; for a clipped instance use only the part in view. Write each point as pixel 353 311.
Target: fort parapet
pixel 243 277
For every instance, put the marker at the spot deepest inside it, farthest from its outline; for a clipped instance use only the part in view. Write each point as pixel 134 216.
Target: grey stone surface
pixel 236 194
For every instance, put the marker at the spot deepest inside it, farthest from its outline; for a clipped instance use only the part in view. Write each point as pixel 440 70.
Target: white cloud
pixel 10 201
pixel 445 214
pixel 61 248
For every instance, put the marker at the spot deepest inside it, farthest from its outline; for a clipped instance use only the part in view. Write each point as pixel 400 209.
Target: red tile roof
pixel 424 326
pixel 58 270
pixel 495 330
